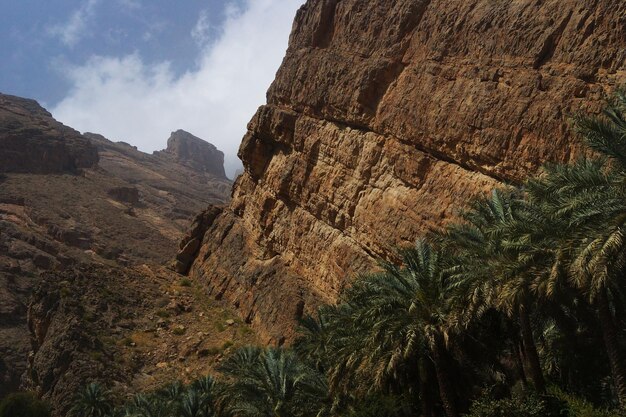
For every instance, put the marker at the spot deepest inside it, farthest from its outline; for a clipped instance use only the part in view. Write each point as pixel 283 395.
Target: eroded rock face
pixel 122 327
pixel 384 119
pixel 192 241
pixel 195 152
pixel 72 317
pixel 31 141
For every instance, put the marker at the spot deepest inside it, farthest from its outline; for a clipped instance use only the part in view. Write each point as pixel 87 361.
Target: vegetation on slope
pixel 516 310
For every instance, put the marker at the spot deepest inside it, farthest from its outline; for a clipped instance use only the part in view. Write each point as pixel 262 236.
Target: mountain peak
pixel 195 152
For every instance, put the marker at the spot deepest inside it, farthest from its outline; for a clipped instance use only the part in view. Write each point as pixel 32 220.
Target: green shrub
pixel 179 331
pixel 185 282
pixel 163 314
pixel 530 406
pixel 23 404
pixel 578 407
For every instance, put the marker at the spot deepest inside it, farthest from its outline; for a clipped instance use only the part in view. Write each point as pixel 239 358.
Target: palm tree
pixel 587 200
pixel 92 401
pixel 350 351
pixel 172 393
pixel 204 385
pixel 148 406
pixel 196 404
pixel 499 261
pixel 592 196
pixel 600 263
pixel 405 313
pixel 271 382
pixel 198 400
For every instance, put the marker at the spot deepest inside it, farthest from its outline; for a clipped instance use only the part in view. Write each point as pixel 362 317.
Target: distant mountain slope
pixel 68 200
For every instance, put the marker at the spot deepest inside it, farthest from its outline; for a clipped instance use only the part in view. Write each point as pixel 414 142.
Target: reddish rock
pixel 384 119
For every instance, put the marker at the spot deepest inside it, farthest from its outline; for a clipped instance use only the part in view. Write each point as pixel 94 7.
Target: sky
pixel 136 70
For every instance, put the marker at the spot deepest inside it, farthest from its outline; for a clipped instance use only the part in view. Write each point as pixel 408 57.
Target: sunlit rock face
pixel 384 119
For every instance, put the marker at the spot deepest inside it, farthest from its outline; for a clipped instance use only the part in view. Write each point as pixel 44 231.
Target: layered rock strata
pixel 384 119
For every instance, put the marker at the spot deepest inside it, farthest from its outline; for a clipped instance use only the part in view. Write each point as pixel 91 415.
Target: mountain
pixel 189 150
pixel 384 118
pixel 85 216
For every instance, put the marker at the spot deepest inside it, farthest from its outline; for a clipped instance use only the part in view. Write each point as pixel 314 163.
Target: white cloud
pixel 72 31
pixel 126 99
pixel 201 32
pixel 130 4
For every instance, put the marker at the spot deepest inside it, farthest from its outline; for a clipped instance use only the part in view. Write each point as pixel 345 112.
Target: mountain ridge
pixel 69 202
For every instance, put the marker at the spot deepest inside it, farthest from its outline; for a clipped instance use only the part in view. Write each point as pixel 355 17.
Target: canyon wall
pixel 384 119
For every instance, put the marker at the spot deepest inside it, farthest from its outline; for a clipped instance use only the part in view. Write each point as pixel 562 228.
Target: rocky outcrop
pixel 128 195
pixel 386 117
pixel 31 141
pixel 130 329
pixel 73 317
pixel 190 150
pixel 190 244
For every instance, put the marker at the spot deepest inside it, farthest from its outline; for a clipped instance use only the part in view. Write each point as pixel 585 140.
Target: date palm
pixel 92 401
pixel 149 406
pixel 271 382
pixel 592 196
pixel 405 313
pixel 195 403
pixel 339 341
pixel 498 264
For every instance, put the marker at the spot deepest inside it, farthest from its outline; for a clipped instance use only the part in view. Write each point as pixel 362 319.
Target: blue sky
pixel 135 70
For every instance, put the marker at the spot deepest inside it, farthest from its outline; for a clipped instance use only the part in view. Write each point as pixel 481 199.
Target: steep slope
pixel 385 117
pixel 34 142
pixel 136 330
pixel 69 200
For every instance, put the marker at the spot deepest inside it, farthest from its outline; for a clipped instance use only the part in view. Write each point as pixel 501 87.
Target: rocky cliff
pixel 384 118
pixel 32 141
pixel 190 150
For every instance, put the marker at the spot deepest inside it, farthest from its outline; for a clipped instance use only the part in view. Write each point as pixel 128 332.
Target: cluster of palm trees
pixel 270 382
pixel 174 400
pixel 546 261
pixel 526 291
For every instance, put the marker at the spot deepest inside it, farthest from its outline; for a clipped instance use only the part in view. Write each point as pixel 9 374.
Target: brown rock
pixel 31 141
pixel 191 243
pixel 125 194
pixel 384 119
pixel 195 152
pixel 126 208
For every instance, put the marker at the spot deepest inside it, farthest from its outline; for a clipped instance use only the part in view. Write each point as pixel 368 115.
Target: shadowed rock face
pixel 195 152
pixel 32 141
pixel 387 116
